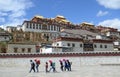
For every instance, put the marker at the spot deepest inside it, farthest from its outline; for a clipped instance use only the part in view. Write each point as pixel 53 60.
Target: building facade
pixel 80 45
pixel 21 48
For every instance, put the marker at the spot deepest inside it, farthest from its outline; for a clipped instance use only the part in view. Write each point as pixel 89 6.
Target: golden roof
pixel 65 21
pixel 38 16
pixel 60 16
pixel 87 23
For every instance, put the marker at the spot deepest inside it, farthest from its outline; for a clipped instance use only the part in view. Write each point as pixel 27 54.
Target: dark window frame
pixel 73 45
pixel 68 44
pixel 101 46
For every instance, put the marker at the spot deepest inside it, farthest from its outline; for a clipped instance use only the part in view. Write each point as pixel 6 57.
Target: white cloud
pixel 15 22
pixel 114 23
pixel 14 11
pixel 112 4
pixel 102 13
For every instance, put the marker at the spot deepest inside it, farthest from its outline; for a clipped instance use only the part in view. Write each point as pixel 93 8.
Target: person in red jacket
pixel 37 64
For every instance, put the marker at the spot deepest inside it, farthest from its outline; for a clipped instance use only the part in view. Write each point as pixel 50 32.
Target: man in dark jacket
pixel 32 66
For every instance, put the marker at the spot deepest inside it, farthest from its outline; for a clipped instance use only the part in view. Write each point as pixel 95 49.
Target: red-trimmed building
pixel 80 45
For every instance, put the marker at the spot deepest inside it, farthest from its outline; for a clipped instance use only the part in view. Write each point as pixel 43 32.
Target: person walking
pixel 52 66
pixel 61 65
pixel 37 62
pixel 32 66
pixel 46 67
pixel 69 65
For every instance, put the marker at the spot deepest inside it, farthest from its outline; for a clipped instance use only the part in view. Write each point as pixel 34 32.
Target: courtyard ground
pixel 77 71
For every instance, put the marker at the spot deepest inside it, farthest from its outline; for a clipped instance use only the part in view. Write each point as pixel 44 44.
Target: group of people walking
pixel 65 65
pixel 34 65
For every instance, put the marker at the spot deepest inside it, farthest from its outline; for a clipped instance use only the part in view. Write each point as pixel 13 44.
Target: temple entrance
pixel 88 47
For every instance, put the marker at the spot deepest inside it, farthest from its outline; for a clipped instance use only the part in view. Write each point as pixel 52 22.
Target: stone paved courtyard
pixel 77 71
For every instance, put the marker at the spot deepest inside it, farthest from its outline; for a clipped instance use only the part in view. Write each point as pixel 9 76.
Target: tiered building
pixel 40 31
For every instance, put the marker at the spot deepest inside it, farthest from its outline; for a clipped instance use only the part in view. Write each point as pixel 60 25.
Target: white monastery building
pixel 80 45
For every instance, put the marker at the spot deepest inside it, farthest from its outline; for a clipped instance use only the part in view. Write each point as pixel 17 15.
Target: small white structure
pixel 11 28
pixel 5 36
pixel 21 48
pixel 19 27
pixel 46 49
pixel 117 45
pixel 113 33
pixel 101 37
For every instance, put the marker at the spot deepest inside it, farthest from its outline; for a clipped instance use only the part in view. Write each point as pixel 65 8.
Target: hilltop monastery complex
pixel 47 35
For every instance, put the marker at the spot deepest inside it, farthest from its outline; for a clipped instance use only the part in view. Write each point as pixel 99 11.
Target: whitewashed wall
pixel 38 30
pixel 77 47
pixel 109 47
pixel 20 46
pixel 46 50
pixel 82 61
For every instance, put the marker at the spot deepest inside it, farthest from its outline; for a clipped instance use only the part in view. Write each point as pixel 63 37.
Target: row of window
pixel 22 50
pixel 43 27
pixel 101 46
pixel 81 45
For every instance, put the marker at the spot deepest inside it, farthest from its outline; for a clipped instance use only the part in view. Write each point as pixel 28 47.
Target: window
pixel 68 44
pixel 30 25
pixel 57 44
pixel 5 37
pixel 39 26
pixel 54 28
pixel 27 25
pixel 80 45
pixel 73 45
pixel 95 46
pixel 44 27
pixel 33 26
pixel 100 46
pixel 58 28
pixel 15 50
pixel 51 27
pixel 23 50
pixel 36 26
pixel 105 46
pixel 29 50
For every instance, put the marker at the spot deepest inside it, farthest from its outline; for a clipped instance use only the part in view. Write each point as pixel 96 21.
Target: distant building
pixel 21 48
pixel 10 29
pixel 71 44
pixel 104 37
pixel 88 26
pixel 80 45
pixel 84 34
pixel 117 45
pixel 4 36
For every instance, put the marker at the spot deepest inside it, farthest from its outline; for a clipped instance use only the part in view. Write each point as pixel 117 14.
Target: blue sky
pixel 98 12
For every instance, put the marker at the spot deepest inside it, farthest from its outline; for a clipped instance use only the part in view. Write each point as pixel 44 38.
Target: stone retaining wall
pixel 111 58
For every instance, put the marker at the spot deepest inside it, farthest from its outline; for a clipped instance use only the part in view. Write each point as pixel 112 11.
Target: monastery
pixel 46 35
